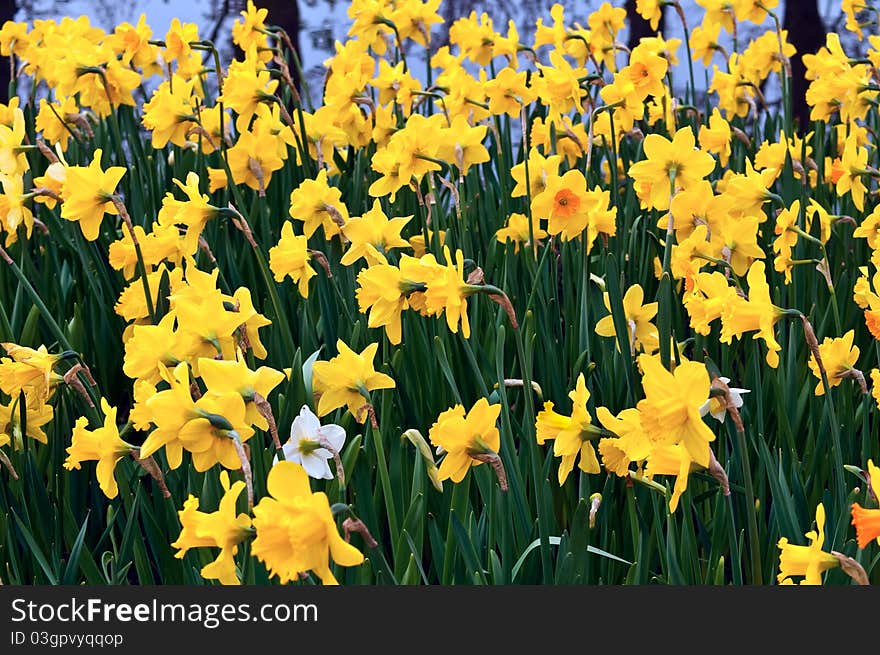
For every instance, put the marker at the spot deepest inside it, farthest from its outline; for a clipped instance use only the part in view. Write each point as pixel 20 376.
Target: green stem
pixel 540 486
pixel 266 274
pixel 751 515
pixel 460 493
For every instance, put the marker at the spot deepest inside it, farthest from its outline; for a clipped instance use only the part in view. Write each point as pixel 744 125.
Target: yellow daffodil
pixel 252 160
pixel 715 137
pixel 132 44
pixel 296 532
pixel 247 85
pixel 517 231
pixel 642 333
pixel 37 415
pixel 347 379
pixel 839 356
pixel 223 529
pixel 194 212
pixel 447 293
pixel 461 144
pixel 207 427
pixel 629 444
pixel 867 521
pixel 786 231
pixel 54 121
pixel 574 435
pixel 168 115
pixel 372 235
pixel 12 159
pixel 29 370
pixel 674 460
pixel 651 11
pixel 87 195
pixel 671 407
pixel 646 71
pixel 149 348
pixel 316 203
pixel 808 561
pixel 461 436
pixel 669 165
pixel 291 256
pixel 103 445
pixel 758 313
pixel 540 170
pixel 250 30
pixel 14 211
pixel 383 291
pixel 508 92
pixel 227 376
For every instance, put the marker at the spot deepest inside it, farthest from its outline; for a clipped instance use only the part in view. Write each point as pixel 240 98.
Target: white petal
pixel 719 415
pixel 297 429
pixel 333 434
pixel 306 424
pixel 736 397
pixel 704 408
pixel 316 467
pixel 328 472
pixel 321 453
pixel 292 453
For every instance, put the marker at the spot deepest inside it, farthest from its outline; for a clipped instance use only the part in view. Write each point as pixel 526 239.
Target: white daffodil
pixel 311 444
pixel 716 408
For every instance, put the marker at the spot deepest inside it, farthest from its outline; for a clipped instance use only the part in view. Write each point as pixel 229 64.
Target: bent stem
pixel 141 266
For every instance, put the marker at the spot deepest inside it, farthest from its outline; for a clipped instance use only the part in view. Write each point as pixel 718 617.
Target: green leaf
pixel 73 562
pixel 35 551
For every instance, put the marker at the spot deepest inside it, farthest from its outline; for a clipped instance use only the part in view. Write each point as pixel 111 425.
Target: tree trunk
pixel 638 26
pixel 8 9
pixel 285 14
pixel 806 32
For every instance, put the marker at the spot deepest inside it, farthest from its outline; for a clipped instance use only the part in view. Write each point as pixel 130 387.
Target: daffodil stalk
pixel 399 41
pixel 263 265
pixel 265 409
pixel 245 467
pixel 534 454
pixel 352 524
pixel 114 119
pixel 284 73
pixel 786 76
pixel 45 313
pixel 665 295
pixel 141 268
pixel 635 531
pixel 687 42
pixel 496 295
pixel 609 107
pixel 637 476
pixel 458 506
pixel 837 453
pixel 742 446
pixel 381 465
pixel 9 467
pixel 149 465
pixel 528 180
